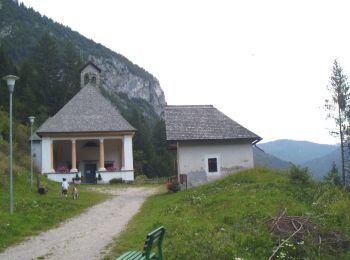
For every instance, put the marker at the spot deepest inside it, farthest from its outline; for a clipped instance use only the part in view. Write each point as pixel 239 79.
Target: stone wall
pixel 195 179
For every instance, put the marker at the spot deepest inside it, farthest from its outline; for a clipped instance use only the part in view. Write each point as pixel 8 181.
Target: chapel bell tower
pixel 90 75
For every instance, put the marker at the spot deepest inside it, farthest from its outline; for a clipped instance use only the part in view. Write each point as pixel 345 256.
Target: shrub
pixel 173 186
pixel 299 175
pixel 116 181
pixel 141 179
pixel 333 177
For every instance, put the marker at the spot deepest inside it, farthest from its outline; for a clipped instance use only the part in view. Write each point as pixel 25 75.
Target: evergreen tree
pixel 25 100
pixel 71 72
pixel 333 176
pixel 6 68
pixel 46 61
pixel 164 157
pixel 338 108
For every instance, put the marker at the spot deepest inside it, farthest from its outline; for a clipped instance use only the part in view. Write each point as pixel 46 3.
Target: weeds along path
pixel 88 235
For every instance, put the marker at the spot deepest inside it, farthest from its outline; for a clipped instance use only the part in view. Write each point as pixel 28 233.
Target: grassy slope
pixel 33 212
pixel 227 219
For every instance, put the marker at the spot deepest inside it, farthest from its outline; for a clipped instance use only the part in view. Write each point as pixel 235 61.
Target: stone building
pixel 209 144
pixel 88 137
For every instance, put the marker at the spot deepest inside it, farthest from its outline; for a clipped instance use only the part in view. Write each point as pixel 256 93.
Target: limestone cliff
pixel 117 77
pixel 21 27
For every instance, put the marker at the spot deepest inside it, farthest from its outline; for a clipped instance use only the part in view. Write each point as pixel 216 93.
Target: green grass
pixel 227 219
pixel 34 212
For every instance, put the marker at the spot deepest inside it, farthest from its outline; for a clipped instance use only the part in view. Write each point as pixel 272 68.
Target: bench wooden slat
pixel 130 255
pixel 153 239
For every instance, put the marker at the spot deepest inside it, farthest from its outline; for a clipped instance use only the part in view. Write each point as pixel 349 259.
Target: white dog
pixel 75 193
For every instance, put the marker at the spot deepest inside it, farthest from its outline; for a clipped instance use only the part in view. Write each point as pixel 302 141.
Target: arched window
pixel 93 80
pixel 86 78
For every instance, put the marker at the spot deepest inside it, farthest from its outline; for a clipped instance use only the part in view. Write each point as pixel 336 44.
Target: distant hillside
pixel 297 152
pixel 320 167
pixel 47 57
pixel 21 27
pixel 262 158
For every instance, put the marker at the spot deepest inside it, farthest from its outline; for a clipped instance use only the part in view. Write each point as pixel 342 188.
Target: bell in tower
pixel 90 74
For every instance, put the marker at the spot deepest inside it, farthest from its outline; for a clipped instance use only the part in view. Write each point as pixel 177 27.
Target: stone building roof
pixel 203 122
pixel 87 111
pixel 91 64
pixel 34 137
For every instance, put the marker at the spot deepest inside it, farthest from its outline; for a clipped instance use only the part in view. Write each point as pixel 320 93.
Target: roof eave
pixel 253 140
pixel 86 133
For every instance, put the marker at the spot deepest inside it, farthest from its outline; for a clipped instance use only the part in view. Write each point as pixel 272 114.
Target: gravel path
pixel 86 236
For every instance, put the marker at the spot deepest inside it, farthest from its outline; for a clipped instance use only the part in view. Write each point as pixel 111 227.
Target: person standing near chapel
pixel 65 186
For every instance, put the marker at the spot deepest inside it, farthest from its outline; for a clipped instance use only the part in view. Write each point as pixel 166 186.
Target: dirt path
pixel 86 236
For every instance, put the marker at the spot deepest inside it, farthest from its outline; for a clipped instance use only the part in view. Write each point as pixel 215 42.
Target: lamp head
pixel 31 119
pixel 10 80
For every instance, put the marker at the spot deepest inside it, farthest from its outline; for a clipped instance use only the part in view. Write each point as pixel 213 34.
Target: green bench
pixel 153 239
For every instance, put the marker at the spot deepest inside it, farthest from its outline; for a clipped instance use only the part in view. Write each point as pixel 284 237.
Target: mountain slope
pixel 297 152
pixel 21 27
pixel 267 160
pixel 46 57
pixel 321 166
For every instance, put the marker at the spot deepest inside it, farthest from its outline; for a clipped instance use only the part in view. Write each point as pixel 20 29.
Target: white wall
pixel 58 177
pixel 128 156
pixel 193 157
pixel 46 155
pixel 113 147
pixel 37 153
pixel 107 176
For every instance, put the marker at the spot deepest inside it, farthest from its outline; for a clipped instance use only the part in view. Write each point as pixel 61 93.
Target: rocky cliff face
pixel 116 77
pixel 21 27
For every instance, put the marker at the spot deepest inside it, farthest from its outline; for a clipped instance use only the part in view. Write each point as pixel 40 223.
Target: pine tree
pixel 338 107
pixel 333 176
pixel 71 72
pixel 46 61
pixel 6 67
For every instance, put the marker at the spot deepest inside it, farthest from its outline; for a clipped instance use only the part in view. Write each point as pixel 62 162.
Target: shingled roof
pixel 87 111
pixel 202 122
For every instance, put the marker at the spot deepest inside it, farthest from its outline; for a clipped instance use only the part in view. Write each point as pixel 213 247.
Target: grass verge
pixel 228 219
pixel 33 212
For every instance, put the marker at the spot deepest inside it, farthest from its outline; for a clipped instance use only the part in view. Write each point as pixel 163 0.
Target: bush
pixel 116 181
pixel 141 179
pixel 173 186
pixel 333 177
pixel 299 175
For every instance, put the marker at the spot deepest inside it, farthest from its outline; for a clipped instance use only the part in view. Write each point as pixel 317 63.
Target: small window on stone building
pixel 93 80
pixel 212 164
pixel 86 79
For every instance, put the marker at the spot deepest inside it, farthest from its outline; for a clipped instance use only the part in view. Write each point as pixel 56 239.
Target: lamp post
pixel 10 80
pixel 31 121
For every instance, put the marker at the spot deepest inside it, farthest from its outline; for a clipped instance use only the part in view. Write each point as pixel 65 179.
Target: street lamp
pixel 10 80
pixel 31 121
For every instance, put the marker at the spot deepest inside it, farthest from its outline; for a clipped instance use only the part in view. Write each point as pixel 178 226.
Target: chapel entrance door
pixel 90 173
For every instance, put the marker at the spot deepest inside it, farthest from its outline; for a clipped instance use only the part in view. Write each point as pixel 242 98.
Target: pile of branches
pixel 300 229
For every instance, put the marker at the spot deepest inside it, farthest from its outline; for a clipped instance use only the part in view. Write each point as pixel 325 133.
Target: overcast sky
pixel 265 64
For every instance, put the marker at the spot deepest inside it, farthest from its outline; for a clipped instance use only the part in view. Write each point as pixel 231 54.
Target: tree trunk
pixel 341 145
